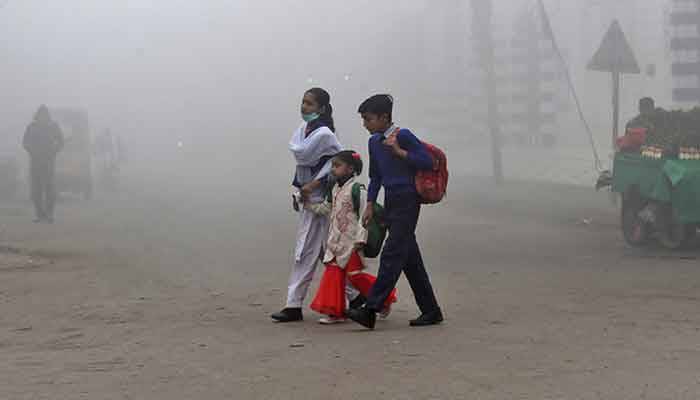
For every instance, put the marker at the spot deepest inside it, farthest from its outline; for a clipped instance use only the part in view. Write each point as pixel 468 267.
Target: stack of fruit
pixel 676 133
pixel 689 153
pixel 653 152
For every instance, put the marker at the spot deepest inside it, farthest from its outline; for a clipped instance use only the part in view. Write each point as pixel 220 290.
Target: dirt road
pixel 164 293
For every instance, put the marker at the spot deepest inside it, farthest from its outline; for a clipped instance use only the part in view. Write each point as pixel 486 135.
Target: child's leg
pixel 420 282
pixel 363 281
pixel 350 291
pixel 402 213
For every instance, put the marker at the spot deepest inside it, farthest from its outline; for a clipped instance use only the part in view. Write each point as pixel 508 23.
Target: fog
pixel 226 77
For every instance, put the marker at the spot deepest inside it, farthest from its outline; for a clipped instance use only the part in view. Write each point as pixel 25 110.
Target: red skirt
pixel 330 298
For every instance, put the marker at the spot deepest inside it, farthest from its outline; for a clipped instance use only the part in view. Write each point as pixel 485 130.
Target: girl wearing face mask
pixel 313 145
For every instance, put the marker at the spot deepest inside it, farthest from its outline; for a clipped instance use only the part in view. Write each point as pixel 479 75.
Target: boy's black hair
pixel 379 104
pixel 351 158
pixel 324 101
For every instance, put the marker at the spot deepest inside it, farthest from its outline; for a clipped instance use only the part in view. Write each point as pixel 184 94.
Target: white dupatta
pixel 308 152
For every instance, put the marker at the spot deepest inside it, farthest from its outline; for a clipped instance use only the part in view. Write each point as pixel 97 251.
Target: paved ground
pixel 164 292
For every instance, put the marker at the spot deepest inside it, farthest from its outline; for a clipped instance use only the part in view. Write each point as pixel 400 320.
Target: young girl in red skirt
pixel 343 257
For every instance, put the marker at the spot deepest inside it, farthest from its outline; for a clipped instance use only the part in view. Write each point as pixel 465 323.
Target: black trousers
pixel 401 254
pixel 43 188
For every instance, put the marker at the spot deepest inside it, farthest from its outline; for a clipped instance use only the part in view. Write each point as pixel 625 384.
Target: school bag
pixel 431 185
pixel 376 228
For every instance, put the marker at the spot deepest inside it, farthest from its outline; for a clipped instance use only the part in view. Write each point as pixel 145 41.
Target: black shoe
pixel 363 316
pixel 288 315
pixel 431 318
pixel 358 301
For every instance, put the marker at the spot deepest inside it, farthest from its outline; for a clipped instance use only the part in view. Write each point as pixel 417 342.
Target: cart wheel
pixel 673 238
pixel 635 230
pixel 674 235
pixel 691 234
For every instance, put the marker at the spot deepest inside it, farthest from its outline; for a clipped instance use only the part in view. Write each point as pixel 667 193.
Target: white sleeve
pixel 319 208
pixel 361 237
pixel 324 171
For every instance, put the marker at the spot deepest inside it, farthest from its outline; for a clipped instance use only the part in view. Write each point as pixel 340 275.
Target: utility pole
pixel 484 45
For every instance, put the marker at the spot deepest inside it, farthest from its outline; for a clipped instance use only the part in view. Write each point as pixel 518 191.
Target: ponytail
pixel 324 101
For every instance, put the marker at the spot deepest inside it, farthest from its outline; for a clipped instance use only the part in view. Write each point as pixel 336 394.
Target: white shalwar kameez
pixel 312 230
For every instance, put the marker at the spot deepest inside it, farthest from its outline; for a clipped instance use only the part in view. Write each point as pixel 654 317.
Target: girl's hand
pixel 295 203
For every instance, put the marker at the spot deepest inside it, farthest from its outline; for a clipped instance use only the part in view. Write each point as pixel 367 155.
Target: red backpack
pixel 431 185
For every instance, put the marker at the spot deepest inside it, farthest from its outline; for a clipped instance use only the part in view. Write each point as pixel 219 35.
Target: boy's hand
pixel 369 214
pixel 393 142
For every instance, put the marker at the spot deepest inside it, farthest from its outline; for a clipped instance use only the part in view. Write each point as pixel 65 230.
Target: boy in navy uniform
pixel 395 156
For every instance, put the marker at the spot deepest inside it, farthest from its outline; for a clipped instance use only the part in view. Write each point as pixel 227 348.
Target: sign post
pixel 615 56
pixel 616 107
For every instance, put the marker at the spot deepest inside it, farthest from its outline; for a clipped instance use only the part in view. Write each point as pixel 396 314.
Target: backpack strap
pixel 328 189
pixel 356 188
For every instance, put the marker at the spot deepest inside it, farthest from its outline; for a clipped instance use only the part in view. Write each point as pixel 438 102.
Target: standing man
pixel 43 140
pixel 646 113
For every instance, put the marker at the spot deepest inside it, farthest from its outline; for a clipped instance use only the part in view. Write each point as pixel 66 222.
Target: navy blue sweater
pixel 395 174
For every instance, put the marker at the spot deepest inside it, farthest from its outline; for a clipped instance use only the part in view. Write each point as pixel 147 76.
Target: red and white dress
pixel 343 262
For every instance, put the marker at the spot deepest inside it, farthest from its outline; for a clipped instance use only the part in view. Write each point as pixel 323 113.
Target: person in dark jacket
pixel 43 140
pixel 646 114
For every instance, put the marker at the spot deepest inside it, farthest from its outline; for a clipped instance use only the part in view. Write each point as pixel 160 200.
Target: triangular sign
pixel 615 53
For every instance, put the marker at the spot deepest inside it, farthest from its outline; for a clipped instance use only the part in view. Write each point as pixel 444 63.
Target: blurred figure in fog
pixel 105 148
pixel 121 150
pixel 43 140
pixel 106 151
pixel 646 112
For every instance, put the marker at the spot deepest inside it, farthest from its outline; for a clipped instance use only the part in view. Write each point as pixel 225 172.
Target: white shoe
pixel 384 314
pixel 331 320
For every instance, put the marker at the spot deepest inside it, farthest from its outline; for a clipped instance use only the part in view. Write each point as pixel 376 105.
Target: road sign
pixel 615 53
pixel 615 56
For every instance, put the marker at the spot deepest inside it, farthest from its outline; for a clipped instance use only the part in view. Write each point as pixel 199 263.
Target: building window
pixel 685 6
pixel 548 107
pixel 686 81
pixel 685 31
pixel 686 56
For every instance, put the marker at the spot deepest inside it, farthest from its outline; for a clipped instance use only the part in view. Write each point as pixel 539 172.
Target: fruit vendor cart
pixel 660 197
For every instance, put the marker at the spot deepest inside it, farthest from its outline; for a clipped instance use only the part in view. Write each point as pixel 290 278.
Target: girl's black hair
pixel 324 101
pixel 351 158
